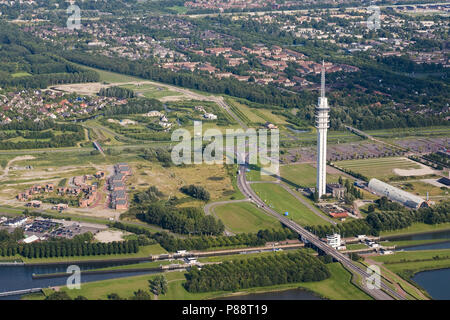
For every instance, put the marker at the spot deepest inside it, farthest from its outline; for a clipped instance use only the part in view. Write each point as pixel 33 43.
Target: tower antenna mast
pixel 322 88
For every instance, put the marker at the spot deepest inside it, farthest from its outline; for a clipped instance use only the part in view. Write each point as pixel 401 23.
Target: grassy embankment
pixel 244 217
pixel 281 201
pixel 338 286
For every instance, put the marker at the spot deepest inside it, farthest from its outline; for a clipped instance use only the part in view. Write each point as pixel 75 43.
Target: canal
pixel 20 276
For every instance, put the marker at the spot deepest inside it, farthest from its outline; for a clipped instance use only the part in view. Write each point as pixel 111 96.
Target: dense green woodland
pixel 117 92
pixel 34 63
pixel 28 129
pixel 263 271
pixel 149 207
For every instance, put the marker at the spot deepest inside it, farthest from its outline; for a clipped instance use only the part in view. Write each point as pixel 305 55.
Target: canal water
pixel 435 282
pixel 20 277
pixel 441 235
pixel 292 294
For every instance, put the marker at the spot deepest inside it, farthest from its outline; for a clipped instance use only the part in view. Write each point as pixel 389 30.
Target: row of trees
pixel 256 272
pixel 28 129
pixel 172 244
pixel 253 92
pixel 134 106
pixel 386 220
pixel 117 92
pixel 78 246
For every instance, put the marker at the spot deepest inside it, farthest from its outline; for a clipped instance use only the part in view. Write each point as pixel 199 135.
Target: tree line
pixel 257 272
pixel 80 245
pixel 375 222
pixel 36 130
pixel 252 92
pixel 173 244
pixel 118 92
pixel 134 106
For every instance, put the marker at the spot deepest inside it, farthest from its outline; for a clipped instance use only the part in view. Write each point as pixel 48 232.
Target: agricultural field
pixel 244 217
pixel 410 132
pixel 281 201
pixel 381 168
pixel 255 116
pixel 341 146
pixel 304 174
pixel 421 188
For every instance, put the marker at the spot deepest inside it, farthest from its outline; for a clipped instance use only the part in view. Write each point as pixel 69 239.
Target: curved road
pixel 378 294
pixel 384 293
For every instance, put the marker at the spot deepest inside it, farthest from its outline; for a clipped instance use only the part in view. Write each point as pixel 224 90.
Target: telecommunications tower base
pixel 322 121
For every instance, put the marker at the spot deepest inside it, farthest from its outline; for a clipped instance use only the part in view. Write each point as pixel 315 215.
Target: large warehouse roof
pixel 395 194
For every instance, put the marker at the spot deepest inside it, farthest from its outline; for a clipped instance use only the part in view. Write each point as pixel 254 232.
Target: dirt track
pixel 19 158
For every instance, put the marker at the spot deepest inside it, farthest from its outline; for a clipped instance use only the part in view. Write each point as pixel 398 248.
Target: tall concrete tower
pixel 322 120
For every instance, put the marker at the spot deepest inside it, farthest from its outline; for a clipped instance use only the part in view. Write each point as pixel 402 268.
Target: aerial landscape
pixel 224 150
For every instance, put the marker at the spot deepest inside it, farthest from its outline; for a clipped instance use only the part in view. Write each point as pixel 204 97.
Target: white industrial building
pixel 334 240
pixel 395 194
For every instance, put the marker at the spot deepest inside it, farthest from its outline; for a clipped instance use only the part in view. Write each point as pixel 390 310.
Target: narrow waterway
pixel 435 282
pixel 441 235
pixel 20 277
pixel 445 234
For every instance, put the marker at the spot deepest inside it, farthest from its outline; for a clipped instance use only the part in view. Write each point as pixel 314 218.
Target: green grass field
pixel 337 287
pixel 421 188
pixel 244 217
pixel 417 228
pixel 377 168
pixel 281 201
pixel 112 77
pixel 407 263
pixel 20 74
pixel 303 175
pixel 150 91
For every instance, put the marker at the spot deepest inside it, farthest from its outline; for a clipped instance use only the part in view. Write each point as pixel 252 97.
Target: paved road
pixel 309 237
pixel 385 294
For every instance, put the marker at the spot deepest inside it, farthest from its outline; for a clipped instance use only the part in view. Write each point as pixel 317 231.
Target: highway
pixel 377 294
